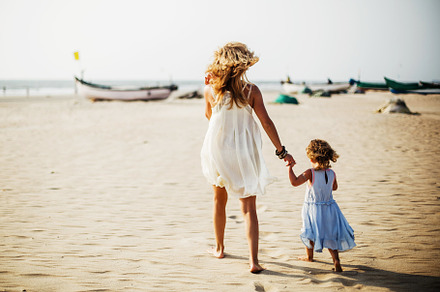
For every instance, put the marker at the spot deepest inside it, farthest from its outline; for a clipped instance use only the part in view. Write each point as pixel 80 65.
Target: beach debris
pixel 321 93
pixel 283 98
pixel 395 105
pixel 190 95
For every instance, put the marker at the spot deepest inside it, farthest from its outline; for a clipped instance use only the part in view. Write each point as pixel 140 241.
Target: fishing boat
pixel 402 86
pixel 330 87
pixel 292 88
pixel 412 87
pixel 371 85
pixel 97 92
pixel 430 84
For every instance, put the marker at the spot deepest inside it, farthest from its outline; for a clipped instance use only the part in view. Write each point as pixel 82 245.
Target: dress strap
pixel 249 93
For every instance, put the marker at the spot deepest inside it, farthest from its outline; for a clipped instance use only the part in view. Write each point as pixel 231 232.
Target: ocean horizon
pixel 39 87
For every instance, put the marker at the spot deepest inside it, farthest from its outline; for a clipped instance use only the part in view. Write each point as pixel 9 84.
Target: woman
pixel 231 155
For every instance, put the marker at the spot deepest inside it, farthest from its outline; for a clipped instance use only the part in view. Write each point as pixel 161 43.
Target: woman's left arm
pixel 267 123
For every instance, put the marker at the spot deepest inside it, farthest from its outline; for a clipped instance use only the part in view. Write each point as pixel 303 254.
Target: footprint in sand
pixel 259 287
pixel 237 220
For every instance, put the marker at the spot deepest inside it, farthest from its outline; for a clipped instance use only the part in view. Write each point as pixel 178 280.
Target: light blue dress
pixel 323 221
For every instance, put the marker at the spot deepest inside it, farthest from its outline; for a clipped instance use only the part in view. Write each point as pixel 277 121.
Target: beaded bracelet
pixel 283 153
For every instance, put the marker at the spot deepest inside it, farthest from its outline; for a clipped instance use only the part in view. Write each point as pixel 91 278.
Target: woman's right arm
pixel 208 98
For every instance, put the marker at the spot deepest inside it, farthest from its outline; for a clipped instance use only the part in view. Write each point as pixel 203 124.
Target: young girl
pixel 231 155
pixel 324 225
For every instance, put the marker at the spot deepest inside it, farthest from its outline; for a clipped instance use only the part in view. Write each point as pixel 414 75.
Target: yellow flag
pixel 76 54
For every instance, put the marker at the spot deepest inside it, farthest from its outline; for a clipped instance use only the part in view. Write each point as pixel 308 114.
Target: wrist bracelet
pixel 283 153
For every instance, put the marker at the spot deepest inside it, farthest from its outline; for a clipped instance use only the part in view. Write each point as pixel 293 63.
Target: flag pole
pixel 76 56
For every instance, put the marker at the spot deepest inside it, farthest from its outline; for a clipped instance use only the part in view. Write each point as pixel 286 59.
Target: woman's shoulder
pixel 209 94
pixel 252 92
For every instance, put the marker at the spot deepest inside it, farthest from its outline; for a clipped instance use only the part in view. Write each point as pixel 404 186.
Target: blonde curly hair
pixel 321 152
pixel 229 72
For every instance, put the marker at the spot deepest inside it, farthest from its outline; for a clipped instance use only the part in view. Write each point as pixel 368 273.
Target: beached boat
pixel 430 84
pixel 97 92
pixel 402 86
pixel 330 87
pixel 292 88
pixel 412 87
pixel 371 85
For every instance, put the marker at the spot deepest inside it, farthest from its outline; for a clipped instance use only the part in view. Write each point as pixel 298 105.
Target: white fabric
pixel 231 152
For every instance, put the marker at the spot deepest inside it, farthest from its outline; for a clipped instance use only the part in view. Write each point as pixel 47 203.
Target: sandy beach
pixel 109 196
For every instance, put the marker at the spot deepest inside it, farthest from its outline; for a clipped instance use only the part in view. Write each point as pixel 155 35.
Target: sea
pixel 67 87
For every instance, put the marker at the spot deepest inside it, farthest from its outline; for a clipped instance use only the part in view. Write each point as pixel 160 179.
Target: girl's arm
pixel 256 102
pixel 208 98
pixel 299 180
pixel 335 184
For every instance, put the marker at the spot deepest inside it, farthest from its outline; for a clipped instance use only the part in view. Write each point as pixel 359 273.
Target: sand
pixel 109 196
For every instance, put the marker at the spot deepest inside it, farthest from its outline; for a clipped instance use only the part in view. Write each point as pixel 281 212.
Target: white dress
pixel 231 153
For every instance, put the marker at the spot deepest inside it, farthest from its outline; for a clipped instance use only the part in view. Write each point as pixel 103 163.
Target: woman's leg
pixel 336 261
pixel 248 207
pixel 219 214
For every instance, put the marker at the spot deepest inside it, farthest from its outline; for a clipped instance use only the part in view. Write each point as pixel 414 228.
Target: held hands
pixel 290 162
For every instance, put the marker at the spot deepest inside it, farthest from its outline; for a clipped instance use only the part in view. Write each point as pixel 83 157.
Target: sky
pixel 175 39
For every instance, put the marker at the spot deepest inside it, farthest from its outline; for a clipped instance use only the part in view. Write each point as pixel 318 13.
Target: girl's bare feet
pixel 256 269
pixel 216 253
pixel 337 268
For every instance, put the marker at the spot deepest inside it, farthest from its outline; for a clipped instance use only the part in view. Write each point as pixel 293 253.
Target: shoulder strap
pixel 249 93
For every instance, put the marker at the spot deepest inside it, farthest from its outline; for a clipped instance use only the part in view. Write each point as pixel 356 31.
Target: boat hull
pixel 300 88
pixel 97 92
pixel 423 91
pixel 371 86
pixel 293 88
pixel 402 86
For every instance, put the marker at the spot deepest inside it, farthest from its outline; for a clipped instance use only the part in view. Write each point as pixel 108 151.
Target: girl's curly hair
pixel 321 152
pixel 229 68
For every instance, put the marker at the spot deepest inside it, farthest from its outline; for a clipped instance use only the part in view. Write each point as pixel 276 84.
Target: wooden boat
pixel 97 92
pixel 292 88
pixel 371 85
pixel 430 84
pixel 402 86
pixel 330 87
pixel 413 87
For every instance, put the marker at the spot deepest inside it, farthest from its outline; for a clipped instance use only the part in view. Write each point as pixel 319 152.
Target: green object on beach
pixel 282 98
pixel 402 85
pixel 372 85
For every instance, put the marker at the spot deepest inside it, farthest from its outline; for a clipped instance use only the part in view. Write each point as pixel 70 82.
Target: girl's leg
pixel 219 214
pixel 248 207
pixel 336 261
pixel 309 253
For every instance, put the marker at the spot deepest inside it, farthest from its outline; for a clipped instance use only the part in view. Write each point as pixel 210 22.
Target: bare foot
pixel 218 254
pixel 306 259
pixel 337 268
pixel 256 269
